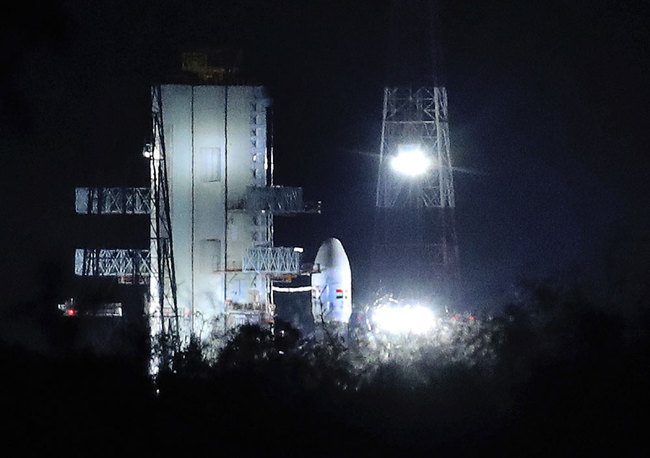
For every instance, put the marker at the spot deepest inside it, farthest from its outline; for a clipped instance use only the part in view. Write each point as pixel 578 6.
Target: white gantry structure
pixel 212 253
pixel 211 260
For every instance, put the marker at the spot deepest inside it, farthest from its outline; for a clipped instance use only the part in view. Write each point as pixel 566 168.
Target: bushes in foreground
pixel 553 375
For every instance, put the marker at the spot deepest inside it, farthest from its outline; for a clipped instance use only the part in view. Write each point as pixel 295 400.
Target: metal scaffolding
pixel 272 260
pixel 415 116
pixel 113 201
pixel 415 244
pixel 163 306
pixel 128 266
pixel 211 181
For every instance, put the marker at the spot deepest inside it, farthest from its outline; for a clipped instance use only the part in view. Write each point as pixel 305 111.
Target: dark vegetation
pixel 553 375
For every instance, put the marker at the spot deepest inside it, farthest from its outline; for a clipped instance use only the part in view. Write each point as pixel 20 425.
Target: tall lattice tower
pixel 415 252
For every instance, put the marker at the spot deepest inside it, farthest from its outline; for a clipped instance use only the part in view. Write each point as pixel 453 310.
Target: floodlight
pixel 404 320
pixel 410 160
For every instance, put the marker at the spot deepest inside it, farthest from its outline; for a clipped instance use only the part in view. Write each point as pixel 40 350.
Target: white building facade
pixel 218 155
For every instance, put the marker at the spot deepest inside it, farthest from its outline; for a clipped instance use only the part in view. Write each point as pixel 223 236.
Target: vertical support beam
pixel 163 300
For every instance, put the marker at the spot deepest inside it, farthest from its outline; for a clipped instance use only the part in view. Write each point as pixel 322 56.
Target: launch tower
pixel 213 146
pixel 211 260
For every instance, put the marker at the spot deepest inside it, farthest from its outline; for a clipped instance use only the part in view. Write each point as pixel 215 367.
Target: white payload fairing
pixel 331 287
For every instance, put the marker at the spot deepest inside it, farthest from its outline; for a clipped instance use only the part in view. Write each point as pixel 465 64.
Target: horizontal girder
pixel 113 201
pixel 128 265
pixel 272 260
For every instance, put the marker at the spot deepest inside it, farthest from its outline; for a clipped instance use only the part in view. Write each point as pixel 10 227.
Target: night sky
pixel 548 101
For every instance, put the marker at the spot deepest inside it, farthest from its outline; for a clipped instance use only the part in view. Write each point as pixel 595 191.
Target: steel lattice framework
pixel 272 260
pixel 128 265
pixel 113 201
pixel 415 247
pixel 415 116
pixel 163 300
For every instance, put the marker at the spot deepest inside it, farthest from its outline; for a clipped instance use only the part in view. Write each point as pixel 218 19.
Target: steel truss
pixel 163 305
pixel 129 266
pixel 415 242
pixel 272 260
pixel 113 201
pixel 415 116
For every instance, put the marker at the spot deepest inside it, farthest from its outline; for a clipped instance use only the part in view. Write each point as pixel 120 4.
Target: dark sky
pixel 549 116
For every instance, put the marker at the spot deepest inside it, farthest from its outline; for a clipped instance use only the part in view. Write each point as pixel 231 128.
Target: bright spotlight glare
pixel 403 320
pixel 410 160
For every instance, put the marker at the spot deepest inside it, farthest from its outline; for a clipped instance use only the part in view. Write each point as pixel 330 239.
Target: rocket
pixel 331 286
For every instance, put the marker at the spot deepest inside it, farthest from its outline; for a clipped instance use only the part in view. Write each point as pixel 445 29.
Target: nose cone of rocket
pixel 331 284
pixel 331 255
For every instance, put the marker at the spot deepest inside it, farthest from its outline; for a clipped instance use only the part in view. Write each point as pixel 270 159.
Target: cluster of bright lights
pixel 410 160
pixel 404 319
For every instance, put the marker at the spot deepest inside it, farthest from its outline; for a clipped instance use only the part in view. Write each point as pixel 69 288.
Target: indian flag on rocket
pixel 339 294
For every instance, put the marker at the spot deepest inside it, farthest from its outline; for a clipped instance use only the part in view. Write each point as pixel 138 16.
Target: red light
pixel 71 312
pixel 472 318
pixel 455 318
